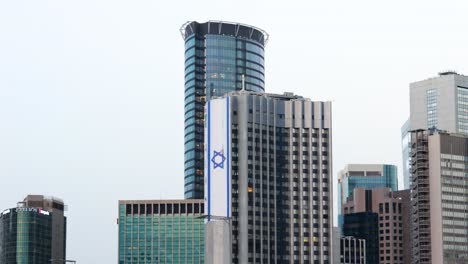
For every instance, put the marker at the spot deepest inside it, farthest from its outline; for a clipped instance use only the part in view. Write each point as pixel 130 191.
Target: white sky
pixel 91 92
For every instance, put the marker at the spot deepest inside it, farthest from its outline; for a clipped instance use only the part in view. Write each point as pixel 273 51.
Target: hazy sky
pixel 91 92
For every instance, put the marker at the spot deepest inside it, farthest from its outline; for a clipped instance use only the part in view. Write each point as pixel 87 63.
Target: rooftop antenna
pixel 243 82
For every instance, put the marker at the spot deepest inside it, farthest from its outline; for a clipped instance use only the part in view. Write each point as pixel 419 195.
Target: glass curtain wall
pixel 215 61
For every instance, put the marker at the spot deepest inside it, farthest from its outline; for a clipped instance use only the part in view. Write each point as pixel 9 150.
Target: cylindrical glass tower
pixel 217 55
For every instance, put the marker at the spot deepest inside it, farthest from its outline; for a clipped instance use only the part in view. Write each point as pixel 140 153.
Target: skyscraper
pixel 439 189
pixel 34 231
pixel 367 176
pixel 440 102
pixel 217 55
pixel 269 167
pixel 161 231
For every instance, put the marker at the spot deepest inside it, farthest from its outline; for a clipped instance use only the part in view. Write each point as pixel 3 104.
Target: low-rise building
pixel 161 231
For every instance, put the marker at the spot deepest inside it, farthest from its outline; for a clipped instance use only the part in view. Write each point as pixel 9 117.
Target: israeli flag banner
pixel 218 158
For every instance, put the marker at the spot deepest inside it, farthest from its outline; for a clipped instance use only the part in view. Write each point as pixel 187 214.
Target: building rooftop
pixel 38 197
pixel 284 96
pixel 442 74
pixel 171 201
pixel 448 73
pixel 225 28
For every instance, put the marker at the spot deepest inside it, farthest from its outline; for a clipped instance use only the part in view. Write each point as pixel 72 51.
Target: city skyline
pixel 84 92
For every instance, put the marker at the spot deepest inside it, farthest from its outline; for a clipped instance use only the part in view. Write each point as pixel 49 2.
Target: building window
pixel 431 107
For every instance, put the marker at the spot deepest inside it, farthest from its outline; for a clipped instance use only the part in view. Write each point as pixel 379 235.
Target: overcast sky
pixel 92 93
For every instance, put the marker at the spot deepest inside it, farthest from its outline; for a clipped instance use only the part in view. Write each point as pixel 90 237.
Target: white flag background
pixel 217 158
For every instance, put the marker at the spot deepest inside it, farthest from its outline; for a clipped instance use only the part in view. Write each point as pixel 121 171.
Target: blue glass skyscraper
pixel 217 55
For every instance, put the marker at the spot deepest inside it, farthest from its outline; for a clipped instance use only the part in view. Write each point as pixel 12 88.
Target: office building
pixel 366 176
pixel 161 231
pixel 217 55
pixel 439 190
pixel 393 209
pixel 352 250
pixel 34 231
pixel 364 225
pixel 439 102
pixel 269 167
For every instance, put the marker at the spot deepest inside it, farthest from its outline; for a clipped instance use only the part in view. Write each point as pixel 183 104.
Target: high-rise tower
pixel 440 102
pixel 268 178
pixel 217 55
pixel 439 188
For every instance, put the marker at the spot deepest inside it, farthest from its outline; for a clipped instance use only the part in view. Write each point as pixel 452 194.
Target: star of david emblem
pixel 218 159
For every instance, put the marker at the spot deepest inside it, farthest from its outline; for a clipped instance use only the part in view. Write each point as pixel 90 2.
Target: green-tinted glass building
pixel 26 236
pixel 217 55
pixel 34 232
pixel 161 231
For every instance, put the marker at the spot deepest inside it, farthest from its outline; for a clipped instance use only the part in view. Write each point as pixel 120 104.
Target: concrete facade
pixel 439 201
pixel 440 102
pixel 218 242
pixel 434 102
pixel 336 245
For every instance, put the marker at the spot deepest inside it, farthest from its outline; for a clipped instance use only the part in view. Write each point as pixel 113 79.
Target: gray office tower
pixel 217 55
pixel 439 188
pixel 440 102
pixel 268 179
